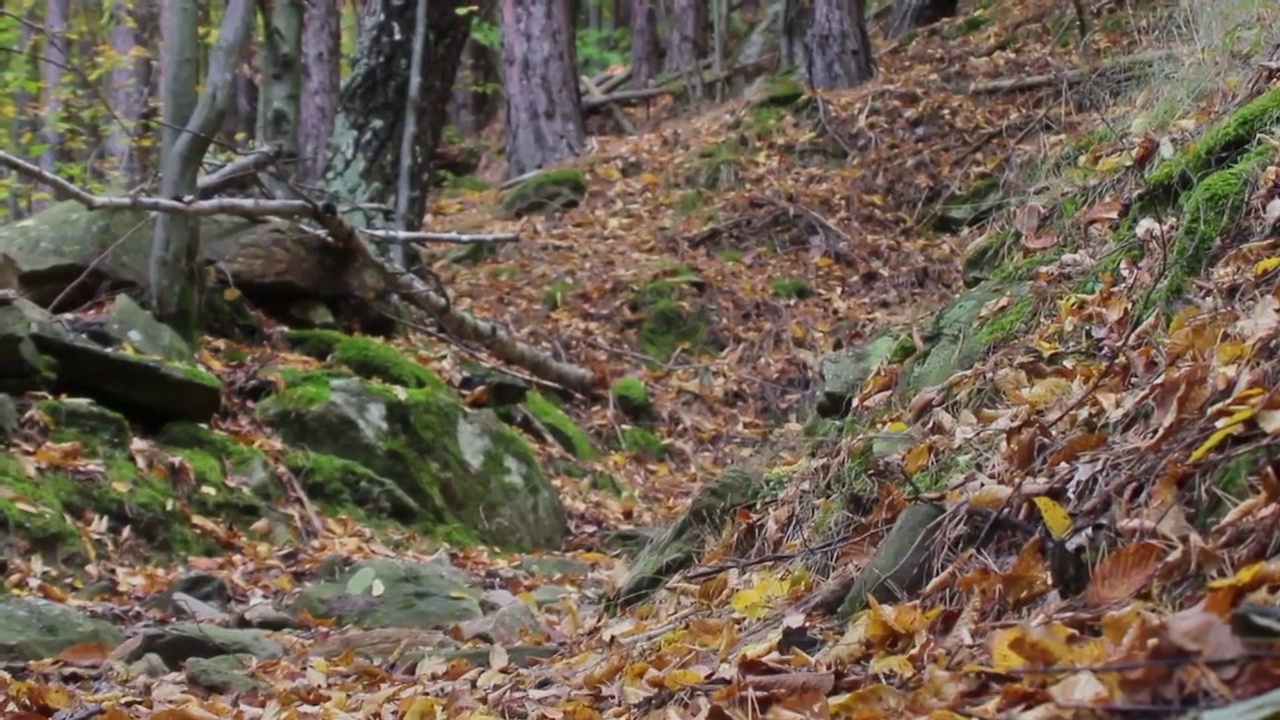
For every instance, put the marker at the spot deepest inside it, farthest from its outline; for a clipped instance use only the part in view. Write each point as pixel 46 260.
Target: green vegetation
pixel 561 427
pixel 546 192
pixel 366 357
pixel 554 297
pixel 643 442
pixel 792 289
pixel 1218 146
pixel 674 316
pixel 632 398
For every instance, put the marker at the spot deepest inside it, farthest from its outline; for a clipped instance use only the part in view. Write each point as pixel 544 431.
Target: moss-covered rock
pixel 778 90
pixel 1220 145
pixel 412 595
pixel 632 398
pixel 975 204
pixel 674 316
pixel 81 420
pixel 545 192
pixel 643 442
pixel 461 467
pixel 844 372
pixel 342 487
pixel 561 427
pixel 366 357
pixel 961 335
pixel 676 548
pixel 37 629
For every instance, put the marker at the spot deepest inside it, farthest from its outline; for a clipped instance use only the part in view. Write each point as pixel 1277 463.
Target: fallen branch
pixel 1121 67
pixel 494 338
pixel 520 178
pixel 452 238
pixel 595 93
pixel 589 103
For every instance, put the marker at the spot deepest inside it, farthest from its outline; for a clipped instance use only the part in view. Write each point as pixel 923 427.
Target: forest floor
pixel 842 198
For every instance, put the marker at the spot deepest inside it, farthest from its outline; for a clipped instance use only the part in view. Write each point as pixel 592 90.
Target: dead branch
pixel 1119 68
pixel 594 93
pixel 494 338
pixel 246 165
pixel 451 238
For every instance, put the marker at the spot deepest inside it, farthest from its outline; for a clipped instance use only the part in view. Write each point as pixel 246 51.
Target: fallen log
pixel 1117 69
pixel 594 93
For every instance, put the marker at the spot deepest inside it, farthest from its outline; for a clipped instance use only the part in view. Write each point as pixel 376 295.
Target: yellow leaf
pixel 231 294
pixel 917 459
pixel 650 180
pixel 1230 427
pixel 897 427
pixel 1266 265
pixel 680 679
pixel 1056 518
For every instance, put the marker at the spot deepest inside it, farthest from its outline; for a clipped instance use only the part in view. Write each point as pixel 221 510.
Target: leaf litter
pixel 1111 458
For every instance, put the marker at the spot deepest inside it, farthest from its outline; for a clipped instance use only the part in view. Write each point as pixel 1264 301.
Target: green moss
pixel 1209 213
pixel 715 167
pixel 941 472
pixel 673 316
pixel 366 357
pixel 98 429
pixel 461 183
pixel 643 442
pixel 341 487
pixel 792 288
pixel 967 26
pixel 970 207
pixel 195 374
pixel 1220 145
pixel 504 272
pixel 689 201
pixel 782 91
pixel 1007 322
pixel 632 397
pixel 555 295
pixel 1227 486
pixel 732 255
pixel 548 191
pixel 561 427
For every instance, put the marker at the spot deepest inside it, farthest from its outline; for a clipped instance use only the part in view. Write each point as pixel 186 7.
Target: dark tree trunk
pixel 911 14
pixel 644 42
pixel 544 113
pixel 321 83
pixel 687 42
pixel 475 99
pixel 366 139
pixel 839 47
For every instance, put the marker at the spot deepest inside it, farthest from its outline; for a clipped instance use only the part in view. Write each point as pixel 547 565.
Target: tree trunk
pixel 909 15
pixel 129 85
pixel 644 43
pixel 21 121
pixel 685 47
pixel 364 149
pixel 51 72
pixel 190 122
pixel 839 47
pixel 279 94
pixel 544 113
pixel 321 84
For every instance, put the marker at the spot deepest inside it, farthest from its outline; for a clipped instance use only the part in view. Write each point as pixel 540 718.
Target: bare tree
pixel 544 112
pixel 839 47
pixel 686 42
pixel 321 83
pixel 52 70
pixel 909 15
pixel 130 83
pixel 644 42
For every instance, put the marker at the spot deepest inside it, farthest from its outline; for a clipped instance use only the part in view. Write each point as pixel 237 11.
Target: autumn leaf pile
pixel 1099 436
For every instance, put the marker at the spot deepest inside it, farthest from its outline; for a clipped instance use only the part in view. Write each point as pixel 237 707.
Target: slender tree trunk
pixel 595 15
pixel 21 121
pixel 839 47
pixel 52 71
pixel 321 84
pixel 130 81
pixel 686 44
pixel 280 88
pixel 544 114
pixel 909 15
pixel 644 42
pixel 190 121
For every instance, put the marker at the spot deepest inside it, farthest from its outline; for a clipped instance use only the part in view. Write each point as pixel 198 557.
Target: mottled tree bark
pixel 839 46
pixel 130 83
pixel 644 42
pixel 364 160
pixel 544 113
pixel 279 90
pixel 321 84
pixel 911 14
pixel 686 44
pixel 51 73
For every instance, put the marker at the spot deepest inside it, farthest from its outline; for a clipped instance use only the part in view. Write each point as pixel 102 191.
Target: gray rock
pixel 206 586
pixel 150 389
pixel 224 674
pixel 845 371
pixel 130 323
pixel 512 624
pixel 266 617
pixel 551 566
pixel 21 366
pixel 198 610
pixel 8 417
pixel 384 593
pixel 459 466
pixel 36 629
pixel 517 655
pixel 175 644
pixel 149 665
pixel 550 594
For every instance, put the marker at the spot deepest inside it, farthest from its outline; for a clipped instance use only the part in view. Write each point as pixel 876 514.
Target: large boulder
pixel 384 593
pixel 22 368
pixel 36 629
pixel 460 467
pixel 130 323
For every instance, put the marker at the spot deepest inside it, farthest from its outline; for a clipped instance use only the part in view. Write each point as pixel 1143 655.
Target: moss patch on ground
pixel 366 357
pixel 632 398
pixel 674 316
pixel 561 427
pixel 1219 145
